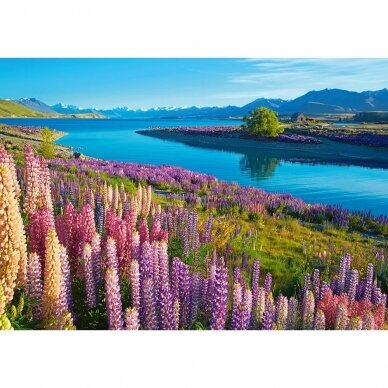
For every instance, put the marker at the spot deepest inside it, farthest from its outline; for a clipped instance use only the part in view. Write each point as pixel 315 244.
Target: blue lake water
pixel 353 187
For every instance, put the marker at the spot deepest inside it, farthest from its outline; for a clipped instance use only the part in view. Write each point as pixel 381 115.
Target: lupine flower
pixel 219 307
pixel 113 299
pixel 132 319
pixel 196 280
pixel 292 314
pixel 12 238
pixel 268 315
pixel 353 283
pixel 111 254
pixel 282 313
pixel 135 284
pixel 148 305
pixel 52 279
pixel 7 160
pixel 184 294
pixel 143 231
pixel 237 300
pixel 40 222
pixel 368 282
pixel 308 311
pixel 66 300
pixel 90 285
pixel 96 258
pixel 255 283
pixel 316 284
pixel 34 283
pixel 176 314
pixel 319 321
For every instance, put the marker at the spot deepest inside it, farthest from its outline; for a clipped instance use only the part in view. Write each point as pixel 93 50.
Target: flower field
pixel 227 130
pixel 92 244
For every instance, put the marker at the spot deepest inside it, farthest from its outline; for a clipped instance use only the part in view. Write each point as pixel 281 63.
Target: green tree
pixel 262 122
pixel 46 147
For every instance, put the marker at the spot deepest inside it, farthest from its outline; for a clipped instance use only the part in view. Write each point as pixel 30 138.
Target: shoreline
pixel 327 152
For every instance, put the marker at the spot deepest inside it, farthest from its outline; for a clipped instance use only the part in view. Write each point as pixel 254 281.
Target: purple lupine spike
pixel 343 270
pixel 237 278
pixel 132 319
pixel 377 296
pixel 175 269
pixel 196 281
pixel 148 305
pixel 99 214
pixel 211 285
pixel 90 285
pixel 66 300
pixel 96 258
pixel 316 284
pixel 184 294
pixel 111 254
pixel 348 263
pixel 155 267
pixel 220 302
pixel 360 290
pixel 236 302
pixel 255 281
pixel 268 316
pixel 146 261
pixel 204 292
pixel 268 283
pixel 308 311
pixel 319 321
pixel 165 297
pixel 281 312
pixel 292 314
pixel 34 283
pixel 247 310
pixel 166 308
pixel 353 283
pixel 135 284
pixel 368 282
pixel 113 299
pixel 324 287
pixel 135 246
pixel 176 314
pixel 186 241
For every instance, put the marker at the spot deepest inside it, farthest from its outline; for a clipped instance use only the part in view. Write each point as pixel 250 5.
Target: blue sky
pixel 145 83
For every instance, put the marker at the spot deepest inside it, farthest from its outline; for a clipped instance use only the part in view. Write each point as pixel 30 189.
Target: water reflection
pixel 259 167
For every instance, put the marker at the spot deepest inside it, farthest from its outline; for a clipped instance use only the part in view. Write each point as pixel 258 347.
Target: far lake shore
pixel 327 151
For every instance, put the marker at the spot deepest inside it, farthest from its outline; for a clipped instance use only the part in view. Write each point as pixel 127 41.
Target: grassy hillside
pixel 13 109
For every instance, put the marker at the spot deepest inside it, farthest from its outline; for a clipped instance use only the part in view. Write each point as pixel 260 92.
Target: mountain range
pixel 327 101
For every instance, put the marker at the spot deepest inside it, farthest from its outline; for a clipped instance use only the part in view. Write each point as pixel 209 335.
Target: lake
pixel 353 187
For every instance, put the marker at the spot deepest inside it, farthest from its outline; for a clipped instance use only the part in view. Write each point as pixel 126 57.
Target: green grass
pixel 13 109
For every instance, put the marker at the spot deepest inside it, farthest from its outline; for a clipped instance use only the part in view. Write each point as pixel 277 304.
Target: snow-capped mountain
pixel 313 103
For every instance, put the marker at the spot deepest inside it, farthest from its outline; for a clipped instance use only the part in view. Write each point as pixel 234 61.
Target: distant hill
pixel 13 109
pixel 35 104
pixel 316 102
pixel 327 101
pixel 337 101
